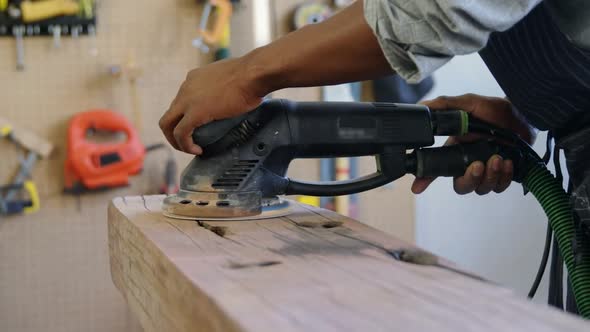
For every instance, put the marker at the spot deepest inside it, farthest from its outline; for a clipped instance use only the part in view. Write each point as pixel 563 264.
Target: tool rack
pixel 79 22
pixel 69 25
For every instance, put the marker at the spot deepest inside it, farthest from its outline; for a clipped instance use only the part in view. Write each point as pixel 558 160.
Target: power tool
pixel 241 172
pixel 242 169
pixel 101 165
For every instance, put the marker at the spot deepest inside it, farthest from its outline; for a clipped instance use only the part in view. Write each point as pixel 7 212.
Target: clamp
pixel 10 202
pixel 219 35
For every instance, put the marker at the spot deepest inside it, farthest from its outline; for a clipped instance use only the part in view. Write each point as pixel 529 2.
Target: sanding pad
pixel 272 208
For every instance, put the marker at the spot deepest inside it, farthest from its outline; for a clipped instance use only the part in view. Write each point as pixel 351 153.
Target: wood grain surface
pixel 313 270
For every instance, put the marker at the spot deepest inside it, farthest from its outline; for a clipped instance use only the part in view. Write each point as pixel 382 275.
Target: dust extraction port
pixel 223 203
pixel 202 203
pixel 185 201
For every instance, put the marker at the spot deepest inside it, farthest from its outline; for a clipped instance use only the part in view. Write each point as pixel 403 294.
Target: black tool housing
pixel 280 130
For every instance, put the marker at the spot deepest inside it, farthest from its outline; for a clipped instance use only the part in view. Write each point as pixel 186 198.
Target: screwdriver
pixel 18 32
pixel 198 42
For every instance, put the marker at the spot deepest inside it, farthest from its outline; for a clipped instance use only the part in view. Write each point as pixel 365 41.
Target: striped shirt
pixel 538 51
pixel 547 78
pixel 418 37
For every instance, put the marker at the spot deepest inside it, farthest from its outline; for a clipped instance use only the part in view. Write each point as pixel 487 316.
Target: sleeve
pixel 418 37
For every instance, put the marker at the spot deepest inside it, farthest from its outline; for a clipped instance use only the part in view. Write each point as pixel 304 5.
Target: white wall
pixel 499 236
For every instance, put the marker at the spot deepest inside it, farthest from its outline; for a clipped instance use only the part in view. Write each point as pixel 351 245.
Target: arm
pixel 340 49
pixel 417 36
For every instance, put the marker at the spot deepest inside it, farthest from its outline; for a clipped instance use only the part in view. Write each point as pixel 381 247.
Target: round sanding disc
pixel 268 212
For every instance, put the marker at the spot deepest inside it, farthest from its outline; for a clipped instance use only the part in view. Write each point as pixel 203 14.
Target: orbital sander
pixel 241 173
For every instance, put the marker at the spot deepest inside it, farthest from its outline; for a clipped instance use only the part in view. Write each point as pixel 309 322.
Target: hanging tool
pixel 95 166
pixel 198 42
pixel 18 32
pixel 55 30
pixel 218 36
pixel 35 11
pixel 27 205
pixel 26 12
pixel 87 8
pixel 133 72
pixel 310 13
pixel 92 166
pixel 11 200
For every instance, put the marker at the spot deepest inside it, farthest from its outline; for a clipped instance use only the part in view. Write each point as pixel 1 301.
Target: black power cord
pixel 556 278
pixel 555 297
pixel 543 264
pixel 549 232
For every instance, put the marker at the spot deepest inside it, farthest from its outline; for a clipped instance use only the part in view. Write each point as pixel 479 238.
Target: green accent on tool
pixel 464 123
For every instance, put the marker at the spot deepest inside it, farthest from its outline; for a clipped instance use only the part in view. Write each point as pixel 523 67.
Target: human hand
pixel 217 91
pixel 496 174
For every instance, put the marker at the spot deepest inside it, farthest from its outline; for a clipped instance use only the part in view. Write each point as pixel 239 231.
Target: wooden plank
pixel 311 271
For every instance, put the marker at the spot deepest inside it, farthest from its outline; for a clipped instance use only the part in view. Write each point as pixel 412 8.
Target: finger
pixel 451 140
pixel 420 184
pixel 492 175
pixel 184 138
pixel 465 102
pixel 169 120
pixel 472 178
pixel 167 129
pixel 505 177
pixel 438 103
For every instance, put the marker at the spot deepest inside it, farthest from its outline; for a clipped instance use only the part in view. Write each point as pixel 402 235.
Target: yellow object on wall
pixel 42 10
pixel 31 189
pixel 309 200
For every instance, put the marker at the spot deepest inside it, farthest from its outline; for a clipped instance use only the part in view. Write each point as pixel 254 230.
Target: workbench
pixel 313 270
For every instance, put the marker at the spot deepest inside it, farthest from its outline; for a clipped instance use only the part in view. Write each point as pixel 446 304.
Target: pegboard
pixel 54 263
pixel 154 37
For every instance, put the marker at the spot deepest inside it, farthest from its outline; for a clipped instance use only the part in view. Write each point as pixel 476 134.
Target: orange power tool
pixel 95 166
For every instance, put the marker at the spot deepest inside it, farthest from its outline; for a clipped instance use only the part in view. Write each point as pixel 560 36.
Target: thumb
pixel 465 102
pixel 420 184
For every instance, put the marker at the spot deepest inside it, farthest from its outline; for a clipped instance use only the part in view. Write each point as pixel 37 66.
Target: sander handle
pixel 320 129
pixel 453 160
pixel 346 129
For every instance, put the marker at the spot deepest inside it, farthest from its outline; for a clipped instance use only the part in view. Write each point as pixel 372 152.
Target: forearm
pixel 340 49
